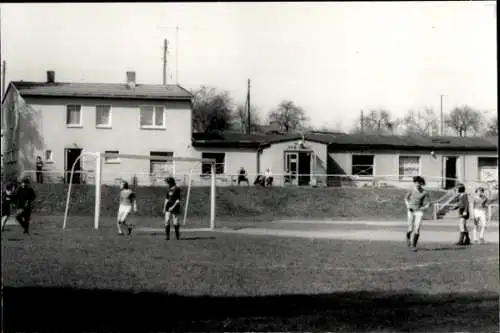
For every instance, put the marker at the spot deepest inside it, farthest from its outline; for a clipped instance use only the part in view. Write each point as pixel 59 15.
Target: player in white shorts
pixel 127 204
pixel 416 202
pixel 480 204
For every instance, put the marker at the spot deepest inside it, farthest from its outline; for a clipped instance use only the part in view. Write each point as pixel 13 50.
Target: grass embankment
pixel 244 203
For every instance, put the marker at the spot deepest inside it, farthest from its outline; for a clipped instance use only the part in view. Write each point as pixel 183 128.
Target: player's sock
pixel 118 225
pixel 461 239
pixel 177 232
pixel 167 231
pixel 474 234
pixel 481 233
pixel 466 238
pixel 408 238
pixel 415 239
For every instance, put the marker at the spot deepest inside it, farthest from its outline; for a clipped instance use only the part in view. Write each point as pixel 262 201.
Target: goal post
pixel 97 166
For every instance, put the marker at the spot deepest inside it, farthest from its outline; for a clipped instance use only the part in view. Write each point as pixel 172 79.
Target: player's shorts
pixel 175 211
pixel 123 212
pixel 480 216
pixel 169 216
pixel 461 212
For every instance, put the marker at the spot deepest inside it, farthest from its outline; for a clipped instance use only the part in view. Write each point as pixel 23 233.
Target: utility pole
pixel 442 117
pixel 362 122
pixel 165 50
pixel 177 55
pixel 4 69
pixel 249 125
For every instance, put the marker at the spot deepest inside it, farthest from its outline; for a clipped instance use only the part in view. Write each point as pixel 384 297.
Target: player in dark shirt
pixel 464 213
pixel 39 170
pixel 24 197
pixel 172 207
pixel 417 201
pixel 7 200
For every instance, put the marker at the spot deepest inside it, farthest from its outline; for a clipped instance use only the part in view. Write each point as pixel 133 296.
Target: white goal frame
pixel 98 181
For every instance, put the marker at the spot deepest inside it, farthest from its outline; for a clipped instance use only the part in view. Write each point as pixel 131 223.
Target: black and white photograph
pixel 249 167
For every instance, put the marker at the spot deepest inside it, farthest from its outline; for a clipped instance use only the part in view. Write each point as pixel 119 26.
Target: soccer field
pixel 271 276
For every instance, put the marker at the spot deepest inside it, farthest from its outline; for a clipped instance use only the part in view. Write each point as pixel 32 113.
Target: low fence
pixel 315 180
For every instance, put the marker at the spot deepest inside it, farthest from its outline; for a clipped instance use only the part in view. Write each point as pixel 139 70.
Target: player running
pixel 172 207
pixel 7 200
pixel 416 202
pixel 127 204
pixel 480 204
pixel 24 197
pixel 463 212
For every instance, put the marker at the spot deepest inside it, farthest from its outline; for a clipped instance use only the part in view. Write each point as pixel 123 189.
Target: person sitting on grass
pixel 24 197
pixel 172 208
pixel 242 177
pixel 127 204
pixel 7 199
pixel 416 202
pixel 463 212
pixel 268 176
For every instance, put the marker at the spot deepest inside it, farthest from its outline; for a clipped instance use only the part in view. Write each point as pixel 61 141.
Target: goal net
pixel 95 180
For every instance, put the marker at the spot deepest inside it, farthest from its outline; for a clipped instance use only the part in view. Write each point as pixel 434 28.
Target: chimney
pixel 131 79
pixel 51 76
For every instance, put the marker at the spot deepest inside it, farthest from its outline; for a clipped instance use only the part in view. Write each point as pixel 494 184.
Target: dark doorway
pixel 450 172
pixel 304 168
pixel 71 155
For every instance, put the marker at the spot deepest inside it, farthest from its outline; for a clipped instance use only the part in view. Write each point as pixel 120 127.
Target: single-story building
pixel 339 158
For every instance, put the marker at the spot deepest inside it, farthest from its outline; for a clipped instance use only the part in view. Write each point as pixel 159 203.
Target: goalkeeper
pixel 127 204
pixel 172 207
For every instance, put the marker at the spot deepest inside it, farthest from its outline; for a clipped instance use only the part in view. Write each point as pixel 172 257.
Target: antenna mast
pixel 165 50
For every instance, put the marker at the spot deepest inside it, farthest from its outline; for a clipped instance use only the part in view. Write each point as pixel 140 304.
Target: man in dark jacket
pixel 24 197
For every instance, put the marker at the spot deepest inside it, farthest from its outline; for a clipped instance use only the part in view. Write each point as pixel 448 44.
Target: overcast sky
pixel 332 59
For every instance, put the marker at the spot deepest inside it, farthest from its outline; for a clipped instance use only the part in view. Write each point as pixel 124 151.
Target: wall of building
pixel 273 158
pixel 386 165
pixel 50 132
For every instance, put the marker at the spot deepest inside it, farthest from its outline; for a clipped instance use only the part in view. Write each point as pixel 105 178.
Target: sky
pixel 331 59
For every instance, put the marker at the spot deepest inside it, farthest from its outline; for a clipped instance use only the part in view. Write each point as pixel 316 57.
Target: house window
pixel 409 166
pixel 487 168
pixel 103 116
pixel 49 156
pixel 362 165
pixel 160 168
pixel 219 158
pixel 74 115
pixel 111 159
pixel 152 117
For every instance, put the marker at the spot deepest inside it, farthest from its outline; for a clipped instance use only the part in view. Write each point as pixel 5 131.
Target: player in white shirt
pixel 127 204
pixel 480 205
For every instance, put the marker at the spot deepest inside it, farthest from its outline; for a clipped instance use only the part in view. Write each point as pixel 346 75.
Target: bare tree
pixel 212 110
pixel 422 122
pixel 240 117
pixel 491 127
pixel 376 122
pixel 288 116
pixel 464 120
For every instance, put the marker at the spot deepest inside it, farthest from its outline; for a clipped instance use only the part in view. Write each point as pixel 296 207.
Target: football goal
pixel 104 172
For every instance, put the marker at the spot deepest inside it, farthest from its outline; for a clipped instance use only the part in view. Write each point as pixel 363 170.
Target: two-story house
pixel 58 121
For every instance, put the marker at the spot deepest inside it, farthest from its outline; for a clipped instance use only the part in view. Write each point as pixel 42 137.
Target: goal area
pixel 146 174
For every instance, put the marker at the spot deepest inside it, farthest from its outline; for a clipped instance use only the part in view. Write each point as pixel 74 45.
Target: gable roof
pixel 346 141
pixel 102 90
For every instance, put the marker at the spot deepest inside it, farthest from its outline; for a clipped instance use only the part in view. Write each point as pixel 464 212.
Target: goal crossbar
pixel 98 179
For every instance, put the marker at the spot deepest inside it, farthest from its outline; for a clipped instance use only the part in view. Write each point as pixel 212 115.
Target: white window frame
pixel 409 178
pixel 50 158
pixel 154 126
pixel 223 164
pixel 112 160
pixel 81 116
pixel 479 167
pixel 373 165
pixel 109 124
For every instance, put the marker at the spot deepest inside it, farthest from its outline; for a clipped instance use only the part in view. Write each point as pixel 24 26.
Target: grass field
pixel 233 280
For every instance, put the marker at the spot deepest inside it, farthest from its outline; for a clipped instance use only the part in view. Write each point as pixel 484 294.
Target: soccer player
pixel 172 207
pixel 416 202
pixel 480 204
pixel 463 212
pixel 24 197
pixel 127 204
pixel 7 199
